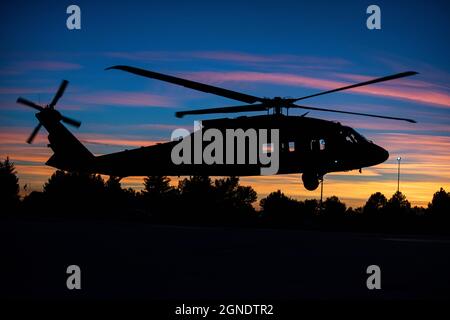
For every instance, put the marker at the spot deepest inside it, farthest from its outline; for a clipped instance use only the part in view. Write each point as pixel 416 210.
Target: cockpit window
pixel 352 136
pixel 359 137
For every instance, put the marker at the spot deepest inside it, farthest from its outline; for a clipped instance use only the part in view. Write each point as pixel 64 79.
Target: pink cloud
pixel 419 93
pixel 18 135
pixel 160 126
pixel 407 82
pixel 13 143
pixel 144 55
pixel 228 56
pixel 124 127
pixel 422 143
pixel 134 99
pixel 233 56
pixel 396 126
pixel 23 91
pixel 49 65
pixel 11 104
pixel 119 142
pixel 432 73
pixel 116 140
pixel 39 65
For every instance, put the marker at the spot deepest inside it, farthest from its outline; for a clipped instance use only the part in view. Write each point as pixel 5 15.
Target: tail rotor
pixel 49 109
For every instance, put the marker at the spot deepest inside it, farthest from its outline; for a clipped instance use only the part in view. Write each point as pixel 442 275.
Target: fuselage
pixel 305 145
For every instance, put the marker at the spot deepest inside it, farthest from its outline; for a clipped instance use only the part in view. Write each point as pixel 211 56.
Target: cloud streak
pixel 22 67
pixel 22 90
pixel 131 99
pixel 420 93
pixel 228 56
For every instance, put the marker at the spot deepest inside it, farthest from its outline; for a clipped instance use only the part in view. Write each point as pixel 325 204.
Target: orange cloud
pixel 425 167
pixel 18 135
pixel 354 192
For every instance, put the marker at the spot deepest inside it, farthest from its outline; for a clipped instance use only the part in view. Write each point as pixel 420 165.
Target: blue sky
pixel 265 48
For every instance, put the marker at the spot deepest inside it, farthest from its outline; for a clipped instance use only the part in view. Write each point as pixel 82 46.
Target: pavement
pixel 129 260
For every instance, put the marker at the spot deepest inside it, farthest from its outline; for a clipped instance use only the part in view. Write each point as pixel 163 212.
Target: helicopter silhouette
pixel 310 146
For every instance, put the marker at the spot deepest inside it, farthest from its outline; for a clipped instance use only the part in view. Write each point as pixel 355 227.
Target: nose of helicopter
pixel 377 155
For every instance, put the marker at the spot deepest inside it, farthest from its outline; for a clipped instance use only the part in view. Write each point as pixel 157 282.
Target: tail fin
pixel 69 153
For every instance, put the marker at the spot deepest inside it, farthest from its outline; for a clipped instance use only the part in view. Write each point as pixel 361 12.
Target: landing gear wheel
pixel 310 180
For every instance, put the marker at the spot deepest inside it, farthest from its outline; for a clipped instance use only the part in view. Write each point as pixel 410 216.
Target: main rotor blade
pixel 348 112
pixel 387 78
pixel 59 93
pixel 29 104
pixel 190 84
pixel 34 133
pixel 251 107
pixel 70 121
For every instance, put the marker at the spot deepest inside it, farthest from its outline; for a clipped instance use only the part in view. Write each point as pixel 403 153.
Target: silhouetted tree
pixel 310 207
pixel 279 209
pixel 62 182
pixel 156 186
pixel 198 185
pixel 375 204
pixel 334 206
pixel 76 192
pixel 419 211
pixel 333 212
pixel 197 199
pixel 355 211
pixel 113 186
pixel 34 203
pixel 398 206
pixel 159 196
pixel 9 185
pixel 119 200
pixel 439 207
pixel 233 199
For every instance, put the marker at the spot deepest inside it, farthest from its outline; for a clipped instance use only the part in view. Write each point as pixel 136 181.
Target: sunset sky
pixel 263 48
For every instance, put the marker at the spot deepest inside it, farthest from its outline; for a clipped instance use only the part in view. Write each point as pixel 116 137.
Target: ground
pixel 139 260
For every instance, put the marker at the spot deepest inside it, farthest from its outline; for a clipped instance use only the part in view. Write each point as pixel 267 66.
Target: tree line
pixel 223 201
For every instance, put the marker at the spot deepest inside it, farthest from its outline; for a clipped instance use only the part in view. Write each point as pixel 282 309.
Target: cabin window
pixel 313 145
pixel 322 144
pixel 291 146
pixel 318 145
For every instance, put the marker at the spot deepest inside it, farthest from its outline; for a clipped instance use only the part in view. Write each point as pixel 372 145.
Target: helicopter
pixel 307 145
